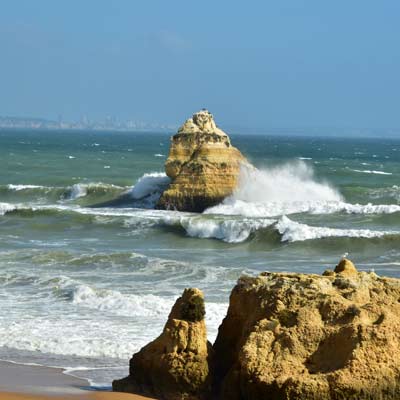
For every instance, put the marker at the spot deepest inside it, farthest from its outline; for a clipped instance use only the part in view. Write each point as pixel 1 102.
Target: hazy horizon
pixel 256 67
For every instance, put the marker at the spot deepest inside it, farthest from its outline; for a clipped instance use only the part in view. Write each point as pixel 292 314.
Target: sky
pixel 253 64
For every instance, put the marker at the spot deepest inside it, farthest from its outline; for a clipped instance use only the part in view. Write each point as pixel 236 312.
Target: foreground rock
pixel 202 164
pixel 296 336
pixel 286 336
pixel 176 364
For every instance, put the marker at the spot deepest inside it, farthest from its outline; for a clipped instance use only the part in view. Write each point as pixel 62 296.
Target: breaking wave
pixel 92 192
pixel 264 210
pixel 227 230
pixel 104 336
pixel 149 188
pixel 5 208
pixel 292 231
pixel 292 181
pixel 289 189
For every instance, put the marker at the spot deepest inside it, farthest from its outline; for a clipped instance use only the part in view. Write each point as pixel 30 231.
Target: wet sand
pixel 21 382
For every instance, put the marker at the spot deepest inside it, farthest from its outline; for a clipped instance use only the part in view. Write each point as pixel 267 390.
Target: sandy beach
pixel 22 382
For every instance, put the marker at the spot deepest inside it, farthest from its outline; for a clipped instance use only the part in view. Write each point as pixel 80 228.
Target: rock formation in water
pixel 175 365
pixel 285 336
pixel 202 164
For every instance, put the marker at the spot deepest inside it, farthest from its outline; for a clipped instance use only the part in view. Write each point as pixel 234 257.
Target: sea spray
pixel 290 182
pixel 149 188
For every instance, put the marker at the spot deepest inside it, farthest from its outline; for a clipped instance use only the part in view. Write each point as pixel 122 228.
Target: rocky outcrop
pixel 175 366
pixel 285 336
pixel 202 164
pixel 297 336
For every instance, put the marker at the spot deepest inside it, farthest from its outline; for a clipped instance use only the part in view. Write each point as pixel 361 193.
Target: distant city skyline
pixel 254 65
pixel 112 123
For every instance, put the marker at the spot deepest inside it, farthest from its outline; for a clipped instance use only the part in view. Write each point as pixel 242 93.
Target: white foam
pixel 292 231
pixel 284 184
pixel 149 188
pixel 367 171
pixel 18 188
pixel 6 207
pixel 228 230
pixel 117 303
pixel 86 326
pixel 159 155
pixel 78 190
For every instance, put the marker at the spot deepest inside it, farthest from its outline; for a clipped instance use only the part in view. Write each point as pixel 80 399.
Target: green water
pixel 84 286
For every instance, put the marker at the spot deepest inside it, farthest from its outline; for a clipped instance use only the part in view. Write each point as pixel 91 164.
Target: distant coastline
pixel 113 124
pixel 109 124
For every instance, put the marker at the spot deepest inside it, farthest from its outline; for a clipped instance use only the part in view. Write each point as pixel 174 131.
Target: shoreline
pixel 34 382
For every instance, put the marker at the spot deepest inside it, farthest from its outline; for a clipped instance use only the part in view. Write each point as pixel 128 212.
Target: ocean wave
pixel 230 231
pixel 391 192
pixel 367 171
pixel 74 333
pixel 18 188
pixel 233 227
pixel 283 184
pixel 292 231
pixel 6 207
pixel 95 191
pixel 274 209
pixel 112 301
pixel 149 188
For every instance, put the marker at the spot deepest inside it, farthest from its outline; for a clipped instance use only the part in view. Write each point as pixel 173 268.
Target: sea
pixel 89 269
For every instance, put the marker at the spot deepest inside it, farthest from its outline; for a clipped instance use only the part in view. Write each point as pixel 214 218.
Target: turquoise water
pixel 87 280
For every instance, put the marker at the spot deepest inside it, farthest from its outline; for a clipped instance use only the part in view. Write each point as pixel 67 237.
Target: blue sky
pixel 254 64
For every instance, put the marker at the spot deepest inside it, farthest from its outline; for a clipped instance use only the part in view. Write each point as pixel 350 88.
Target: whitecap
pixel 18 188
pixel 149 188
pixel 78 190
pixel 367 171
pixel 6 207
pixel 228 230
pixel 292 231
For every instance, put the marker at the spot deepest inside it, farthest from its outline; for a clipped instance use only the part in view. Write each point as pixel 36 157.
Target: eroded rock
pixel 203 165
pixel 297 336
pixel 286 336
pixel 175 366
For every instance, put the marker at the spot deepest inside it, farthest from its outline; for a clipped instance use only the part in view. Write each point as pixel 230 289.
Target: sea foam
pixel 292 231
pixel 289 189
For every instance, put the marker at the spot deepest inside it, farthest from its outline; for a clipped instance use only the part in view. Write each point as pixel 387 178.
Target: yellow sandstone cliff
pixel 292 336
pixel 202 164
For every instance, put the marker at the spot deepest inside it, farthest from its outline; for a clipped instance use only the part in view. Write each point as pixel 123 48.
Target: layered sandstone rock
pixel 297 336
pixel 285 336
pixel 202 164
pixel 175 366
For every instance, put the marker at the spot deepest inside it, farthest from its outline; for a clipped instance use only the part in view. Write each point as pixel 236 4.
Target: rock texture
pixel 296 336
pixel 175 366
pixel 286 336
pixel 202 164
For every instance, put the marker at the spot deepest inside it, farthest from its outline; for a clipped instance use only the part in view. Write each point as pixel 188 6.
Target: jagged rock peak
pixel 175 366
pixel 201 122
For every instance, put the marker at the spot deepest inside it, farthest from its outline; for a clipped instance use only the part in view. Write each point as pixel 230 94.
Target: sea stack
pixel 175 366
pixel 203 166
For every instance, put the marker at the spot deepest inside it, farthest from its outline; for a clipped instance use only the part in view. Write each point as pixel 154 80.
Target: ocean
pixel 86 280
